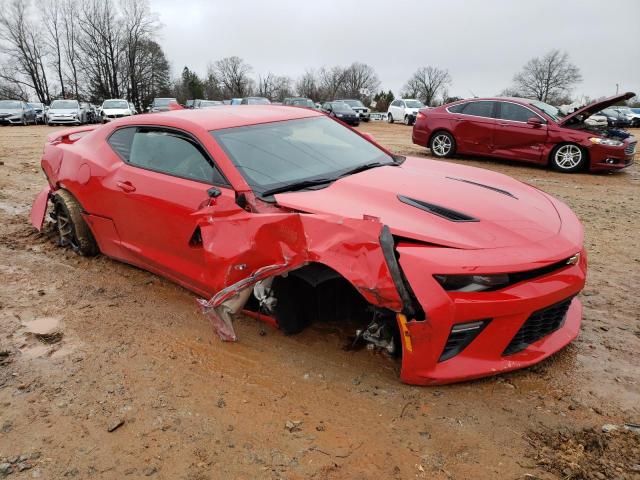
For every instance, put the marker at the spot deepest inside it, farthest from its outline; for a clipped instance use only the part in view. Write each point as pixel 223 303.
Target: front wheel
pixel 389 118
pixel 568 158
pixel 73 231
pixel 442 145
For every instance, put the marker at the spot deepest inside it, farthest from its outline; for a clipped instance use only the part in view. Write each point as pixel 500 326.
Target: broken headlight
pixel 606 141
pixel 472 283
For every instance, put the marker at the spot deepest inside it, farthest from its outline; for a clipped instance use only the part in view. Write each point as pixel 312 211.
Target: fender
pixel 39 207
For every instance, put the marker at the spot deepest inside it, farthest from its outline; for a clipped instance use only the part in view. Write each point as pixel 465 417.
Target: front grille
pixel 631 148
pixel 539 325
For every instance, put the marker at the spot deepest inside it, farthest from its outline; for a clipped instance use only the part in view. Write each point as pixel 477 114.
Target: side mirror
pixel 214 192
pixel 535 121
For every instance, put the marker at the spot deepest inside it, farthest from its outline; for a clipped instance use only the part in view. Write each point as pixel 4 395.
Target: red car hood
pixel 503 211
pixel 595 107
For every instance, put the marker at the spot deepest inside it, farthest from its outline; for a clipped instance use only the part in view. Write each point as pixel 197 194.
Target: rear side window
pixel 165 151
pixel 479 109
pixel 457 108
pixel 514 112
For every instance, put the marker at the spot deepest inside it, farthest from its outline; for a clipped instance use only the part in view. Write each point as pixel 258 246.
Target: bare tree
pixel 547 79
pixel 54 23
pixel 212 89
pixel 426 83
pixel 274 87
pixel 24 49
pixel 308 85
pixel 139 25
pixel 332 82
pixel 233 75
pixel 360 81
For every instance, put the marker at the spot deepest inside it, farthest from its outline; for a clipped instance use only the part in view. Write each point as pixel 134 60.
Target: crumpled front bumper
pixel 506 310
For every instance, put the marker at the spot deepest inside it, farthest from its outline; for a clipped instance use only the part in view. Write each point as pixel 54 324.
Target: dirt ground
pixel 139 385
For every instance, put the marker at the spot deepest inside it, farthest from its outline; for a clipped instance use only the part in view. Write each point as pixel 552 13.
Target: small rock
pixel 608 427
pixel 635 468
pixel 22 466
pixel 600 475
pixel 221 403
pixel 321 427
pixel 150 471
pixel 115 424
pixel 633 427
pixel 5 468
pixel 293 425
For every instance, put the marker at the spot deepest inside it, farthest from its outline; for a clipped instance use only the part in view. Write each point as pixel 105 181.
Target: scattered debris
pixel 293 425
pixel 46 329
pixel 587 454
pixel 115 425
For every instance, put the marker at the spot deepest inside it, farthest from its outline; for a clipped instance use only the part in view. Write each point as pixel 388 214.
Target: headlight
pixel 339 115
pixel 606 141
pixel 472 283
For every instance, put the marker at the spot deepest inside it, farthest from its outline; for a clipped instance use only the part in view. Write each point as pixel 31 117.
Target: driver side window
pixel 165 151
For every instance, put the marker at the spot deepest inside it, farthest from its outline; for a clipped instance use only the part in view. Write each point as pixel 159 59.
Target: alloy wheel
pixel 441 145
pixel 568 157
pixel 65 229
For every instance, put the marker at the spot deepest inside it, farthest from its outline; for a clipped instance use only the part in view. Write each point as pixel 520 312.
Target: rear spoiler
pixel 70 135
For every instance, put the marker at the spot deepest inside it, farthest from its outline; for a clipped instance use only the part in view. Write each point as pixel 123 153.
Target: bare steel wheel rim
pixel 65 230
pixel 441 145
pixel 568 156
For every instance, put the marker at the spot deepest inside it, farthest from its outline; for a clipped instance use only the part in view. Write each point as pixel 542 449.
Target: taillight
pixel 420 116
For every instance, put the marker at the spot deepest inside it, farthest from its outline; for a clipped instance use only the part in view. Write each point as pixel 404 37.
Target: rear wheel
pixel 407 120
pixel 72 229
pixel 389 118
pixel 568 158
pixel 442 145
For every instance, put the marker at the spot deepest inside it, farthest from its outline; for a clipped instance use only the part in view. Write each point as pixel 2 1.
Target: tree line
pixel 97 49
pixel 85 49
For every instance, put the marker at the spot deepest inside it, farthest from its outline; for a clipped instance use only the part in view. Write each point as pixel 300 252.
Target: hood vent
pixel 489 187
pixel 443 212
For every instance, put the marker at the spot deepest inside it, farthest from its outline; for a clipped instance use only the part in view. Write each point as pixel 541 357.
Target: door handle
pixel 126 186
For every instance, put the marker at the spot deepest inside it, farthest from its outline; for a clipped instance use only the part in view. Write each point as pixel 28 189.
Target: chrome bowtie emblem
pixel 574 260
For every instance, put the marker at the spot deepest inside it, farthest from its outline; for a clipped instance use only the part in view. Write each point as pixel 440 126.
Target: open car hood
pixel 595 107
pixel 438 203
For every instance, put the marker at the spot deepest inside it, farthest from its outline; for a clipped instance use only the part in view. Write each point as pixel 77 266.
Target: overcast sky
pixel 481 43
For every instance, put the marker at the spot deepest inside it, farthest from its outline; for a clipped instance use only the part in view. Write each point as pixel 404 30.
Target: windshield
pixel 9 104
pixel 414 104
pixel 35 105
pixel 258 101
pixel 163 102
pixel 272 155
pixel 341 107
pixel 115 104
pixel 64 104
pixel 354 103
pixel 550 110
pixel 303 102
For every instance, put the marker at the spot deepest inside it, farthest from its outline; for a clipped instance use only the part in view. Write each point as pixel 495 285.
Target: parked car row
pixel 63 112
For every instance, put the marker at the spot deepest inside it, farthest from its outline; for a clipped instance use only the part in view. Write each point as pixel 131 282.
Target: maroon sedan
pixel 528 131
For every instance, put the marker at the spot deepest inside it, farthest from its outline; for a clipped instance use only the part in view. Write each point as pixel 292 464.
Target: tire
pixel 568 157
pixel 407 120
pixel 389 118
pixel 442 145
pixel 24 121
pixel 72 229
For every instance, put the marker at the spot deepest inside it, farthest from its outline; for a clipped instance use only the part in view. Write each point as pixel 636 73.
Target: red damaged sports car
pixel 291 217
pixel 527 131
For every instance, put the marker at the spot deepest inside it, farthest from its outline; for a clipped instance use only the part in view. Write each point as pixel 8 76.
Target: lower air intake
pixel 462 334
pixel 539 325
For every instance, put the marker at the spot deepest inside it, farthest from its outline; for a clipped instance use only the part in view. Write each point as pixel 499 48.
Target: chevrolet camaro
pixel 289 216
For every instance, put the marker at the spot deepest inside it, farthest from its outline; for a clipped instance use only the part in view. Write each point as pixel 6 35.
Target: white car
pixel 64 111
pixel 115 108
pixel 596 121
pixel 404 110
pixel 633 117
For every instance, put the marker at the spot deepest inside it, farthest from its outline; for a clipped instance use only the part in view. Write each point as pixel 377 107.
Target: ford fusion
pixel 288 216
pixel 527 131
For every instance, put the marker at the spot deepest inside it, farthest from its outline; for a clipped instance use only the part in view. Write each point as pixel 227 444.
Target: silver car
pixel 65 111
pixel 16 112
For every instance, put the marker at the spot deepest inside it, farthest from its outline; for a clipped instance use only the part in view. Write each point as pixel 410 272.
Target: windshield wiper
pixel 366 166
pixel 297 186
